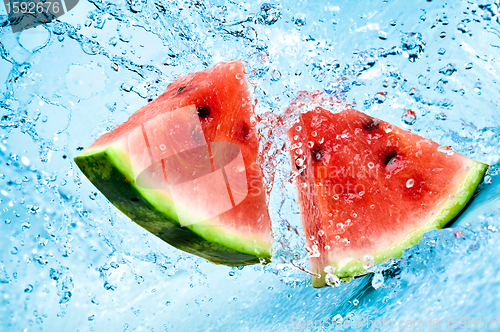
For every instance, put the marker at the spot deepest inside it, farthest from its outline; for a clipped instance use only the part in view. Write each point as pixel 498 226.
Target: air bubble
pixel 368 261
pixel 298 128
pixel 346 241
pixel 371 165
pixel 321 140
pixel 311 237
pixel 378 280
pixel 327 247
pixel 380 97
pixel 329 269
pixel 310 144
pixel 304 185
pixel 299 162
pixel 314 134
pixel 410 183
pixel 488 179
pixel 299 151
pixel 336 197
pixel 372 206
pixel 332 280
pixel 162 147
pixel 296 137
pixel 321 232
pixel 409 117
pixel 340 226
pixel 446 149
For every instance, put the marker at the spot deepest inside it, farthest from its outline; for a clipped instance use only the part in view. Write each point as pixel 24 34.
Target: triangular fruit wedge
pixel 368 189
pixel 185 167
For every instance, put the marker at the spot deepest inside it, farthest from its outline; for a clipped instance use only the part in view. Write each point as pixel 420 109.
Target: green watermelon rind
pixel 108 168
pixel 438 220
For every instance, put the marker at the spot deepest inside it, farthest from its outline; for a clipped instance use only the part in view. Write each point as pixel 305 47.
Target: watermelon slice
pixel 368 189
pixel 185 167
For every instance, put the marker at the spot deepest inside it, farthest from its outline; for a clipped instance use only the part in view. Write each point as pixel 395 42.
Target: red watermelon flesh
pixel 186 167
pixel 366 187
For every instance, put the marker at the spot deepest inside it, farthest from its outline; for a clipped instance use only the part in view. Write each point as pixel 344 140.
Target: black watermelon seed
pixel 203 112
pixel 317 153
pixel 389 157
pixel 370 124
pixel 134 199
pixel 245 132
pixel 180 89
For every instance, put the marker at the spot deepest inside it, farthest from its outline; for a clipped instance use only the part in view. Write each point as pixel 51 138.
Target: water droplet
pixel 332 280
pixel 310 144
pixel 162 147
pixel 329 269
pixel 355 302
pixel 368 261
pixel 442 34
pixel 347 222
pixel 410 183
pixel 311 237
pixel 441 51
pixel 409 117
pixel 372 206
pixel 296 137
pixel 327 247
pixel 340 226
pixel 336 197
pixel 337 237
pixel 468 65
pixel 321 232
pixel 346 241
pixel 446 149
pixel 314 134
pixel 239 76
pixel 371 165
pixel 298 128
pixel 14 250
pixel 231 273
pixel 299 151
pixel 321 140
pixel 378 280
pixel 382 35
pixel 299 162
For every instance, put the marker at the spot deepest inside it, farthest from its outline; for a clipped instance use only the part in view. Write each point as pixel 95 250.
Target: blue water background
pixel 69 261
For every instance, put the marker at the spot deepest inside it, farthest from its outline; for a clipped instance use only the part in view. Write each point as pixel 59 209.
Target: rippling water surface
pixel 70 261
